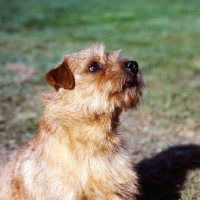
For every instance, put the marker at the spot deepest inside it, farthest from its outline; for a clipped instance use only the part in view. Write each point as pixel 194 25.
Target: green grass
pixel 163 36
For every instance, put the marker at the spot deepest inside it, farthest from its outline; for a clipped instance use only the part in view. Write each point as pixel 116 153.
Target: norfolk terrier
pixel 77 153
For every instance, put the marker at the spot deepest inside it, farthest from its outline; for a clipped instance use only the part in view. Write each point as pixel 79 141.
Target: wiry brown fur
pixel 78 153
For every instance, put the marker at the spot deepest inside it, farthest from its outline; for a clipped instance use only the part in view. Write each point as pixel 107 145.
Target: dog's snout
pixel 132 66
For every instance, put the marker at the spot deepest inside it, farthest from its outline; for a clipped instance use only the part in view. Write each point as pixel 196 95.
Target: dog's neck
pixel 87 131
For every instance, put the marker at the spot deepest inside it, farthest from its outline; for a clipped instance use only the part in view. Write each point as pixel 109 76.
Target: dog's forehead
pixel 96 53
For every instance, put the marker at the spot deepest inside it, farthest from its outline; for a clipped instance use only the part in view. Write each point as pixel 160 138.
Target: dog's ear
pixel 61 77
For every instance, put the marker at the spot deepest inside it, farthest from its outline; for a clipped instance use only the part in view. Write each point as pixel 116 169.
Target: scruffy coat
pixel 77 153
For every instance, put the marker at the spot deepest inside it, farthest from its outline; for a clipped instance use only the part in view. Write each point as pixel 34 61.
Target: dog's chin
pixel 132 91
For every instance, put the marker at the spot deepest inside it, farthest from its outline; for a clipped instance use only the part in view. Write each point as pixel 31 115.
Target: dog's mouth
pixel 129 84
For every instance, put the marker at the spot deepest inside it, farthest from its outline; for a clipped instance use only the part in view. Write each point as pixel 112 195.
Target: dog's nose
pixel 132 66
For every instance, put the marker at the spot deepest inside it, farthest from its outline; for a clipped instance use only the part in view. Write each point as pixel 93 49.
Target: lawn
pixel 162 36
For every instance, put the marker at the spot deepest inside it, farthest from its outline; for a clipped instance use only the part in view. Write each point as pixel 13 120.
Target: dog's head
pixel 96 81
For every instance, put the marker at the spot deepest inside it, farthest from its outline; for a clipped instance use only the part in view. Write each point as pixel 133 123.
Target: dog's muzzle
pixel 132 68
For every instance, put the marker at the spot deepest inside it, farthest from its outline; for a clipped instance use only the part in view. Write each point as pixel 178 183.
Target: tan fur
pixel 78 153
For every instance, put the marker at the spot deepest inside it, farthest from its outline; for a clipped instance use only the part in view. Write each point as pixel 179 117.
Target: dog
pixel 78 153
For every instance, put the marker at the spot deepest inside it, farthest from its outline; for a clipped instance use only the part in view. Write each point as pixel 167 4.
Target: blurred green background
pixel 163 36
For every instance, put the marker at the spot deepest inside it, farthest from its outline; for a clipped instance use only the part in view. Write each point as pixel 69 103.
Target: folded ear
pixel 61 77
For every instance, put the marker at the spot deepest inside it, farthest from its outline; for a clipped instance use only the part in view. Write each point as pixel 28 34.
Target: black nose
pixel 132 66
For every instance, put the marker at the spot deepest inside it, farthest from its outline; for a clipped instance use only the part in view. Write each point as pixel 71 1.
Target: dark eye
pixel 94 67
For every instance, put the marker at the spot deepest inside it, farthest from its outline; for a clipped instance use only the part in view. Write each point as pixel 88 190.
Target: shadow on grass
pixel 162 176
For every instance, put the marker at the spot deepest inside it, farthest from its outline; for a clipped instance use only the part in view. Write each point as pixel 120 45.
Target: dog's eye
pixel 94 67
